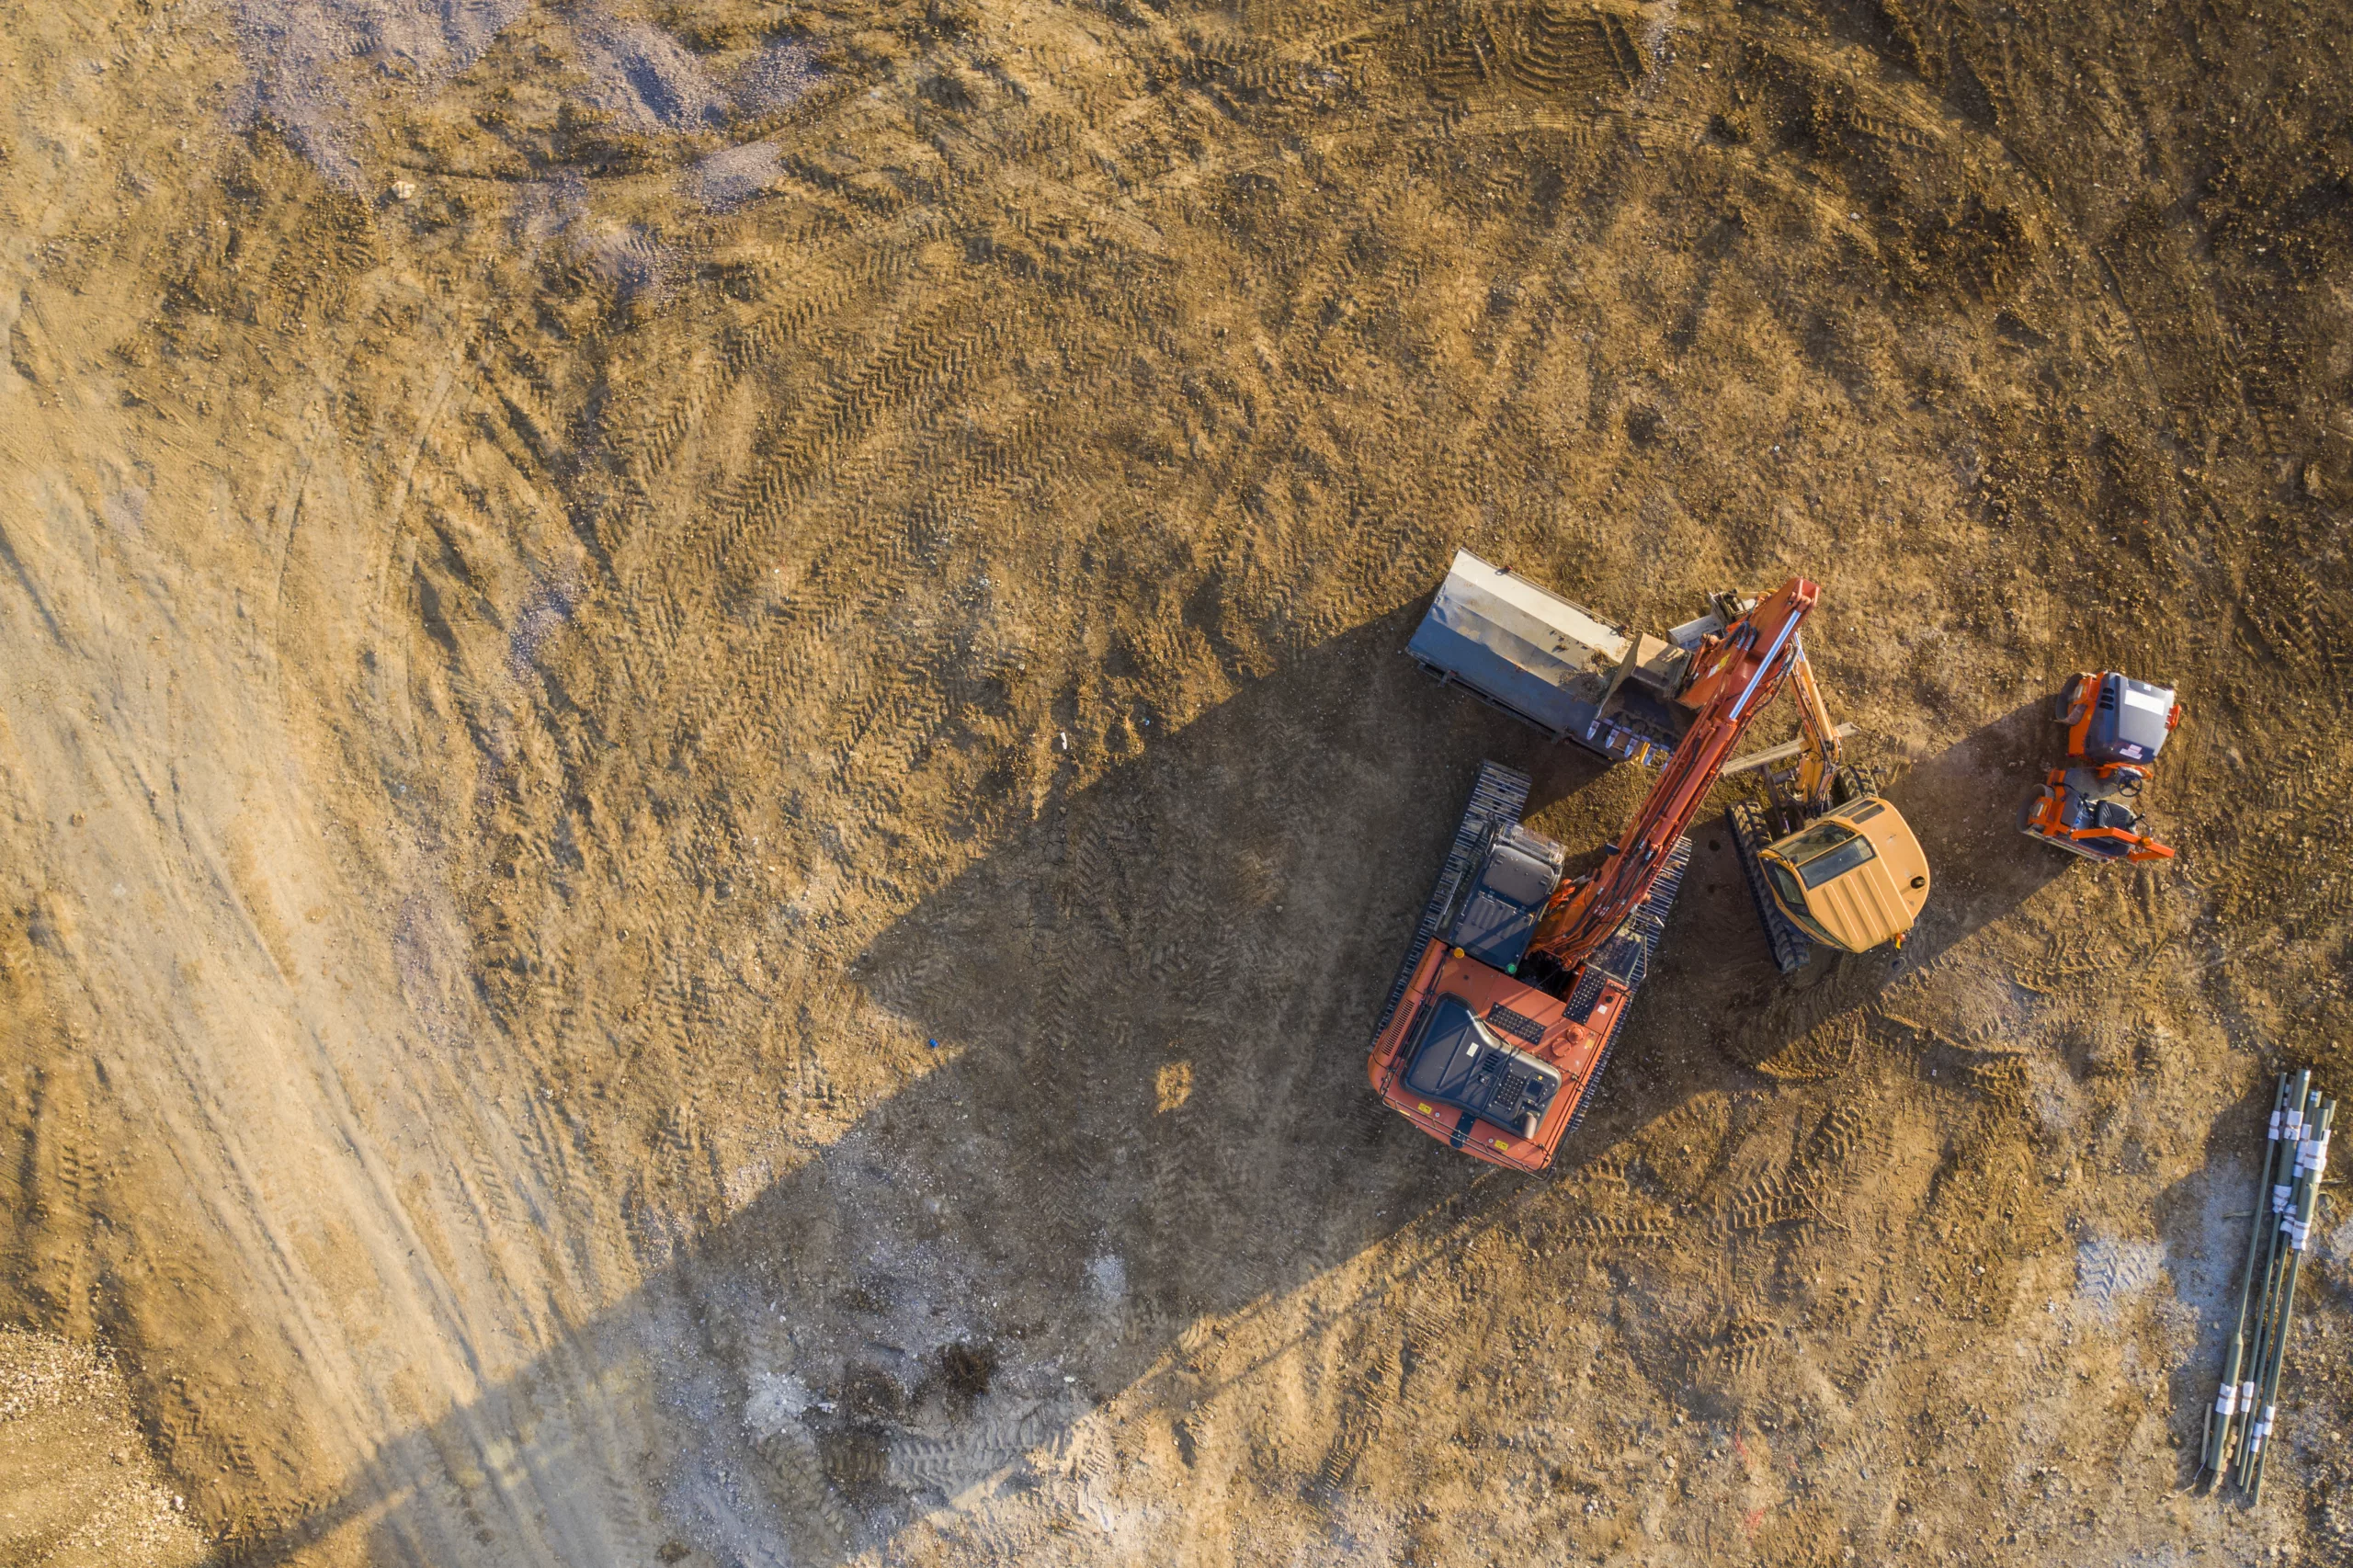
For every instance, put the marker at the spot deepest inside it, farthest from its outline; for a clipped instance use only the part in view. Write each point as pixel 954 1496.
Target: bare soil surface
pixel 706 779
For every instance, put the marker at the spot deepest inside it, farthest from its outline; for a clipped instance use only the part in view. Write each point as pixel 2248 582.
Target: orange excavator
pixel 1832 867
pixel 1510 999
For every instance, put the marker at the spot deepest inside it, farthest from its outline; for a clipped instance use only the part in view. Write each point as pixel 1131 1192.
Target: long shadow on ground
pixel 1963 803
pixel 1148 1114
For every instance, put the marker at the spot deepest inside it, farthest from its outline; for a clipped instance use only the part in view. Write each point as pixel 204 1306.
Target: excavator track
pixel 1627 955
pixel 1643 932
pixel 1499 794
pixel 1792 948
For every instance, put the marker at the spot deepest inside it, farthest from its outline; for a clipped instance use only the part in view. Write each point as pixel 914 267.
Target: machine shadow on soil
pixel 1148 1117
pixel 1963 803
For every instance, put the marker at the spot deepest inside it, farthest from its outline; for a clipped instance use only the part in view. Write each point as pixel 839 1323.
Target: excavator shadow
pixel 1146 1124
pixel 1145 1118
pixel 1962 804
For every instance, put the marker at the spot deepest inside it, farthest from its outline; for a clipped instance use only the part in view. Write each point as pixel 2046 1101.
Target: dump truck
pixel 1555 665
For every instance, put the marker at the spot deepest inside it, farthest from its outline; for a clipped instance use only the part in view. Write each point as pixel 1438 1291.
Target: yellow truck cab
pixel 1852 879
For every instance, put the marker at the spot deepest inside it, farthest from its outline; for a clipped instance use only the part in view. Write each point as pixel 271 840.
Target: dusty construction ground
pixel 581 583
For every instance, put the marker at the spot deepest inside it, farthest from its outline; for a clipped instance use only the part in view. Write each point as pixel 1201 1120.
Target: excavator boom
pixel 1738 673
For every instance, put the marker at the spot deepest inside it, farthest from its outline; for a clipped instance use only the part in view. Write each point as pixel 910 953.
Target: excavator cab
pixel 1852 879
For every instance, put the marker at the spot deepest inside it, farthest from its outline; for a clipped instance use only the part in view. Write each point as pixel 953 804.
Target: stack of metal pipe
pixel 2295 1163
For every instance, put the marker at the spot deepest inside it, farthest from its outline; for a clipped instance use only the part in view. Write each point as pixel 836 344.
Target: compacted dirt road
pixel 706 781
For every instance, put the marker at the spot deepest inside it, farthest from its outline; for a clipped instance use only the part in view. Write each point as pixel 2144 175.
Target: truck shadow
pixel 1146 1121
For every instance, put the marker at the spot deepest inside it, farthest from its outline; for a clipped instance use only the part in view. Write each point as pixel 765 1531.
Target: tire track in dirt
pixel 1278 305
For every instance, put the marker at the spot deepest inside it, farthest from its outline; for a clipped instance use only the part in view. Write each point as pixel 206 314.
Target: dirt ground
pixel 706 779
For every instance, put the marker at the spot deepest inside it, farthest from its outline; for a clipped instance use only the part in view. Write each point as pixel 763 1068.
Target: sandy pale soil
pixel 706 780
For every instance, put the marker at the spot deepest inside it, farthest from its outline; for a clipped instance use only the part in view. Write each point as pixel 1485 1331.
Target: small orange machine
pixel 2088 805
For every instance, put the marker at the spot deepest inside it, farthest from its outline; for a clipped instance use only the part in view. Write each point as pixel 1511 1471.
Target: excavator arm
pixel 1820 747
pixel 1736 675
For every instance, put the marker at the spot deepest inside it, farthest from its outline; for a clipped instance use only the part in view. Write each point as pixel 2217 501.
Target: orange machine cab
pixel 1469 1034
pixel 1485 1045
